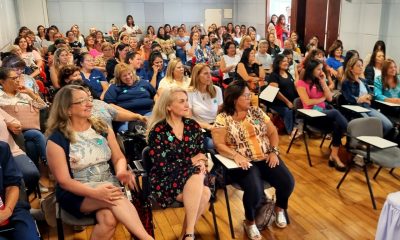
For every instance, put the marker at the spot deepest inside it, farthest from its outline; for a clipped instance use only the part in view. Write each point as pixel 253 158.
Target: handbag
pixel 143 207
pixel 48 206
pixel 27 115
pixel 265 215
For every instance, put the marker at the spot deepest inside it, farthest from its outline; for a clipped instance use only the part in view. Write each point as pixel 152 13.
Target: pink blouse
pixel 312 93
pixel 5 135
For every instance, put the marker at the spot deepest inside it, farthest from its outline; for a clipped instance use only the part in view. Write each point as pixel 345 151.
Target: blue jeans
pixel 180 53
pixel 288 117
pixel 334 121
pixel 23 223
pixel 35 144
pixel 28 169
pixel 386 123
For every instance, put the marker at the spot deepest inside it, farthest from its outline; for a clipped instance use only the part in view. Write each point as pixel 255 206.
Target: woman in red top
pixel 280 28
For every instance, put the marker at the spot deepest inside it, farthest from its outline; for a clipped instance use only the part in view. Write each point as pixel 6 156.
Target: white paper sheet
pixel 377 141
pixel 389 104
pixel 311 112
pixel 269 93
pixel 356 108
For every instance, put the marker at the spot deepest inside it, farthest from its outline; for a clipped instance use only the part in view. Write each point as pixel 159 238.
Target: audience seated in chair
pixel 313 92
pixel 179 170
pixel 21 224
pixel 79 148
pixel 246 135
pixel 205 99
pixel 356 91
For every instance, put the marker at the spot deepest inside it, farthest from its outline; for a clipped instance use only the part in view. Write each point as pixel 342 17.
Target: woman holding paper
pixel 244 134
pixel 283 103
pixel 313 92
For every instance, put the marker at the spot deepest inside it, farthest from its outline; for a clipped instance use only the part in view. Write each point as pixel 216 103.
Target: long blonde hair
pixel 59 117
pixel 160 111
pixel 195 82
pixel 57 53
pixel 169 76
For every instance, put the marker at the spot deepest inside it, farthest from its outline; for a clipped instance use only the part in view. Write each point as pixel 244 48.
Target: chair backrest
pixel 370 126
pixel 147 165
pixel 297 104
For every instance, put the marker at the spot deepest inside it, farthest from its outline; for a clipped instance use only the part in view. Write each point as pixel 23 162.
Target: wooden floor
pixel 317 210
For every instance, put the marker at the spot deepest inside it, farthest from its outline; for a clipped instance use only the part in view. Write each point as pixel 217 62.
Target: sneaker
pixel 280 219
pixel 43 189
pixel 252 231
pixel 359 160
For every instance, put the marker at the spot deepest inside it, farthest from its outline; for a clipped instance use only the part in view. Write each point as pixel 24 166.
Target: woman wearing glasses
pixel 79 148
pixel 246 135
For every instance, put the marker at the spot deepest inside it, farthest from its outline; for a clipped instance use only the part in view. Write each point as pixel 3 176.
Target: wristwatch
pixel 274 149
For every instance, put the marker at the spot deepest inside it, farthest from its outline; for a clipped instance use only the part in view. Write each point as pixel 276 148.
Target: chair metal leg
pixel 228 208
pixel 323 140
pixel 291 141
pixel 60 230
pixel 377 172
pixel 345 175
pixel 308 153
pixel 287 216
pixel 391 171
pixel 369 186
pixel 215 221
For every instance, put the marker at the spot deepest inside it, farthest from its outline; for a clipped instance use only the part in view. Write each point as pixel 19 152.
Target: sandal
pixel 252 231
pixel 188 235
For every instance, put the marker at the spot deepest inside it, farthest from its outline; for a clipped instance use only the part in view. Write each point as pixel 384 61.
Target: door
pixel 315 23
pixel 212 16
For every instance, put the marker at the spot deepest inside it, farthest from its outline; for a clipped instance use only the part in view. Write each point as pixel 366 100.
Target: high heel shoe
pixel 188 235
pixel 333 163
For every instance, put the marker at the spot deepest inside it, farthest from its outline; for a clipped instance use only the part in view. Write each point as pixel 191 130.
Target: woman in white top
pixel 175 77
pixel 192 46
pixel 130 26
pixel 229 62
pixel 31 57
pixel 205 99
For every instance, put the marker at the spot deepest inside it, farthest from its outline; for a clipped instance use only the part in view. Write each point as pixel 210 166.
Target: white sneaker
pixel 252 231
pixel 43 189
pixel 280 219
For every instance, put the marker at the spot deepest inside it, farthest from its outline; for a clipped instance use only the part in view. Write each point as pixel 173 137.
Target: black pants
pixel 252 183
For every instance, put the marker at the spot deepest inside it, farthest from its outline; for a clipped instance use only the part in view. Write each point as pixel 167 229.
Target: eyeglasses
pixel 246 95
pixel 84 101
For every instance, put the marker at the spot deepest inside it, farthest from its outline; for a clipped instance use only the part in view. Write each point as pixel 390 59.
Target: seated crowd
pixel 196 90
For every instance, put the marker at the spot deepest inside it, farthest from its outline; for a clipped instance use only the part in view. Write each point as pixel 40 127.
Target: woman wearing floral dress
pixel 176 149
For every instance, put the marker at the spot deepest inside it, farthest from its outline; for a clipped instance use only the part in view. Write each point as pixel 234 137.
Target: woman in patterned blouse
pixel 176 149
pixel 247 136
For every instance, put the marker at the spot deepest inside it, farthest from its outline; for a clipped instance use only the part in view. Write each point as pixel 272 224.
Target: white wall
pixel 363 22
pixel 251 12
pixel 8 24
pixel 102 13
pixel 32 13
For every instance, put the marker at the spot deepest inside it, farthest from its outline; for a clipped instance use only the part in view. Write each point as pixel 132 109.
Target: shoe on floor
pixel 280 219
pixel 252 231
pixel 43 189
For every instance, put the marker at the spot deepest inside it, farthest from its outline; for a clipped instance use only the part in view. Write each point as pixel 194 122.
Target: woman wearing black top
pixel 249 70
pixel 120 54
pixel 273 48
pixel 283 103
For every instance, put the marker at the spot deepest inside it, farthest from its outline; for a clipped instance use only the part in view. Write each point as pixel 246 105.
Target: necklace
pixel 203 95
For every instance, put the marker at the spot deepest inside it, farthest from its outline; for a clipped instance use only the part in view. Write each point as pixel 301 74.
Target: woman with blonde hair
pixel 62 57
pixel 179 165
pixel 78 148
pixel 175 77
pixel 244 44
pixel 130 92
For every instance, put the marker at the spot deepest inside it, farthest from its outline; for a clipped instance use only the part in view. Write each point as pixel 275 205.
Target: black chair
pixel 146 188
pixel 308 128
pixel 226 182
pixel 383 157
